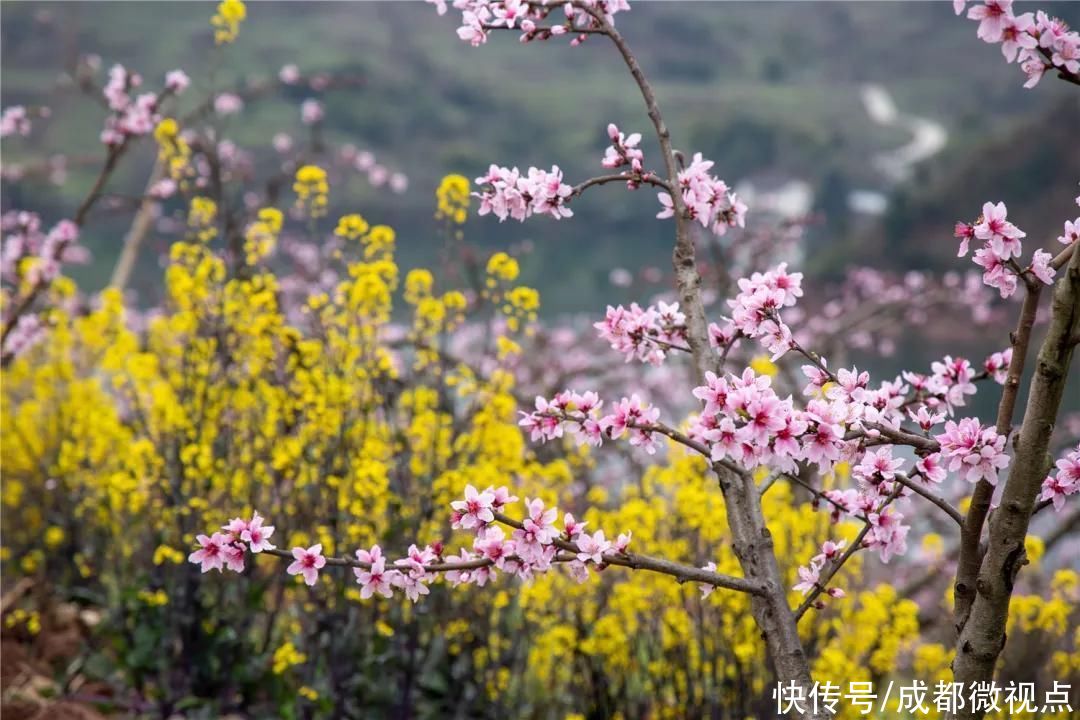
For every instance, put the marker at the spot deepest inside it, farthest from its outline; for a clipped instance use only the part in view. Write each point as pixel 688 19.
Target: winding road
pixel 928 137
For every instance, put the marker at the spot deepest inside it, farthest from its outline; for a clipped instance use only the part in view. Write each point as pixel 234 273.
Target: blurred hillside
pixel 773 92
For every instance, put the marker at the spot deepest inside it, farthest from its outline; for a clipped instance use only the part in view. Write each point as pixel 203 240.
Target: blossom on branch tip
pixel 930 469
pixel 1034 67
pixel 475 509
pixel 992 16
pixel 228 104
pixel 491 543
pixel 537 530
pixel 706 198
pixel 1040 267
pixel 966 233
pixel 572 527
pixel 925 418
pixel 997 366
pixel 755 310
pixel 1065 482
pixel 624 151
pixel 176 81
pixel 706 588
pixel 591 548
pixel 412 584
pixel 507 193
pixel 27 332
pixel 257 535
pixel 1002 236
pixel 1015 35
pixel 976 452
pixel 877 466
pixel 211 552
pixel 830 551
pixel 636 416
pixel 233 555
pixel 809 576
pixel 307 562
pixel 888 534
pixel 951 380
pixel 311 112
pixel 1071 232
pixel 535 19
pixel 375 579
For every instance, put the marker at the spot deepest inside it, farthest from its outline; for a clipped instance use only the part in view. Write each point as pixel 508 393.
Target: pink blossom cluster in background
pixel 645 334
pixel 377 174
pixel 134 115
pixel 24 240
pixel 872 309
pixel 15 120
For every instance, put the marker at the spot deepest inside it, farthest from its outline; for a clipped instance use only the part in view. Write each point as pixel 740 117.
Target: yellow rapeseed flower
pixel 762 365
pixel 226 21
pixel 202 218
pixel 351 227
pixel 379 243
pixel 453 199
pixel 286 656
pixel 312 190
pixel 502 267
pixel 174 153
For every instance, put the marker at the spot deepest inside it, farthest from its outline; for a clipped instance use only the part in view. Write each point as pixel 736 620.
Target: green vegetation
pixel 761 88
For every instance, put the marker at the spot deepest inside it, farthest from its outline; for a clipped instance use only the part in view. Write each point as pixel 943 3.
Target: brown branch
pixel 1063 257
pixel 647 178
pixel 946 507
pixel 633 561
pixel 897 437
pixel 967 568
pixel 688 280
pixel 1064 529
pixel 140 226
pixel 1062 73
pixel 751 539
pixel 682 573
pixel 982 637
pixel 855 546
pixel 817 493
pixel 809 355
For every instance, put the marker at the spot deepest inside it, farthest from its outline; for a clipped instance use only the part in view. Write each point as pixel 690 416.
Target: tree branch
pixel 983 635
pixel 967 568
pixel 647 178
pixel 634 561
pixel 946 507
